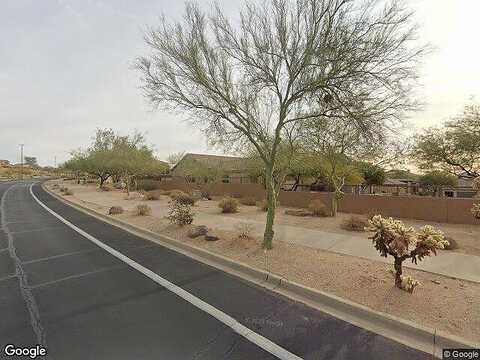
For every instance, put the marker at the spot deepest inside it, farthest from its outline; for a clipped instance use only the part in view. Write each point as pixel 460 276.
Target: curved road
pixel 60 290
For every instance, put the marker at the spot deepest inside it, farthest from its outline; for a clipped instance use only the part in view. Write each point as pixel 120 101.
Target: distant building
pixel 231 168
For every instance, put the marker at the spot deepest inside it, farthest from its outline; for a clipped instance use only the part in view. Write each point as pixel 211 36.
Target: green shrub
pixel 142 210
pixel 318 208
pixel 228 205
pixel 68 192
pixel 63 189
pixel 354 223
pixel 180 214
pixel 106 187
pixel 182 197
pixel 149 195
pixel 147 184
pixel 115 210
pixel 248 201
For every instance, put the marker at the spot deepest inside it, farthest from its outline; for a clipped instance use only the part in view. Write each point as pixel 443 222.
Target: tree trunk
pixel 334 204
pixel 297 182
pixel 271 202
pixel 127 185
pixel 398 272
pixel 103 178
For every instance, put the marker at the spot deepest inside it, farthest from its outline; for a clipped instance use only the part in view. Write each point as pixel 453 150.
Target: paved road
pixel 59 289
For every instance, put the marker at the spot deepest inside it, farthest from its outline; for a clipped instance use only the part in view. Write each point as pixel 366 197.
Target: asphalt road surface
pixel 60 290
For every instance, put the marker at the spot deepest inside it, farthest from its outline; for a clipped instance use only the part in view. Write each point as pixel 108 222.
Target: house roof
pixel 227 163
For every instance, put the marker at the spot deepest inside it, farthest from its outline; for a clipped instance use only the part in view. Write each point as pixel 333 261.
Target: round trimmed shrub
pixel 115 210
pixel 228 205
pixel 148 195
pixel 142 210
pixel 318 208
pixel 183 198
pixel 354 223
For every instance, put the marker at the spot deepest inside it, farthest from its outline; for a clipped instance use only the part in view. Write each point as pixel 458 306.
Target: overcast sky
pixel 65 70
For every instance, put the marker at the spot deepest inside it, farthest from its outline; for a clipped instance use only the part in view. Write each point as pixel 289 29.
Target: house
pixel 4 163
pixel 201 168
pixel 464 189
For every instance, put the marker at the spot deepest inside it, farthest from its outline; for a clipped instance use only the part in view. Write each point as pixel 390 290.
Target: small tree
pixel 372 174
pixel 204 171
pixel 434 180
pixel 76 164
pixel 392 237
pixel 31 161
pixel 455 147
pixel 284 63
pixel 132 158
pixel 338 172
pixel 110 154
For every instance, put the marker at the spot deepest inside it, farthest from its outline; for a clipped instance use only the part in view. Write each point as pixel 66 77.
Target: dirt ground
pixel 443 303
pixel 467 236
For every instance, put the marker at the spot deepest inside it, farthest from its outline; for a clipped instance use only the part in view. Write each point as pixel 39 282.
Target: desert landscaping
pixel 441 302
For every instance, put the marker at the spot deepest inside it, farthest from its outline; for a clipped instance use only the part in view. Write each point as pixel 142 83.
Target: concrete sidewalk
pixel 448 263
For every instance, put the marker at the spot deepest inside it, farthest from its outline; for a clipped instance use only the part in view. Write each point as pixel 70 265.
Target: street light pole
pixel 21 160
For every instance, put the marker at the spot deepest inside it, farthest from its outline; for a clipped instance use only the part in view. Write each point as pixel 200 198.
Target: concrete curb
pixel 403 331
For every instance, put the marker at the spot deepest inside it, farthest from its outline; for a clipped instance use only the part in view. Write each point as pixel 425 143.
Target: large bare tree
pixel 283 62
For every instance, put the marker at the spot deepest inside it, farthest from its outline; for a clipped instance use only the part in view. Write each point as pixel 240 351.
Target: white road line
pixel 240 329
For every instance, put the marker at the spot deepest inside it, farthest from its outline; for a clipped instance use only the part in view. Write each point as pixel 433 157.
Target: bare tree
pixel 283 63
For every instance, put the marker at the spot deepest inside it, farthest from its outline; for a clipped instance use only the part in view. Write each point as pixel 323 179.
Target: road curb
pixel 403 331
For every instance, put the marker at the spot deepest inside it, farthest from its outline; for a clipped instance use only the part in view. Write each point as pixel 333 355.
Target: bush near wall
pixel 228 205
pixel 147 185
pixel 447 210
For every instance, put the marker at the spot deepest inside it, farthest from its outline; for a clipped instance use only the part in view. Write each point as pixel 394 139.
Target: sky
pixel 66 69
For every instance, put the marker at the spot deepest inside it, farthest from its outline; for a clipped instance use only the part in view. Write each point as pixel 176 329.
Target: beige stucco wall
pixel 447 210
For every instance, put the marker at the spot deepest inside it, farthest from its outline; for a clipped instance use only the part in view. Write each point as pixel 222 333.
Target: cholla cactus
pixel 409 284
pixel 475 210
pixel 392 237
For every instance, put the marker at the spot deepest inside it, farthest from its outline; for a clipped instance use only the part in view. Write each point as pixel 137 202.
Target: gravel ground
pixel 440 302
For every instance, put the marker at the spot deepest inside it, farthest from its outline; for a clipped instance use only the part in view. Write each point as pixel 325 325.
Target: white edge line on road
pixel 240 329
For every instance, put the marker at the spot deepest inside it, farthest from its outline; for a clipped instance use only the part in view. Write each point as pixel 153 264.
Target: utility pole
pixel 21 160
